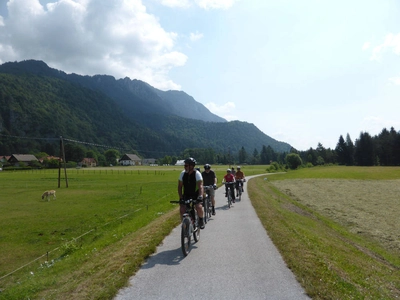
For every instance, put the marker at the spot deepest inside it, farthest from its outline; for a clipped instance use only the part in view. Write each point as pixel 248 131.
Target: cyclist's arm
pixel 180 185
pixel 200 187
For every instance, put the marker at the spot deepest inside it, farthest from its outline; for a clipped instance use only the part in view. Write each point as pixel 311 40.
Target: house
pixel 4 158
pixel 89 162
pixel 149 161
pixel 180 162
pixel 27 159
pixel 49 158
pixel 130 160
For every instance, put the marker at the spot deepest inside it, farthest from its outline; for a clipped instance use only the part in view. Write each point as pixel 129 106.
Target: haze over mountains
pixel 36 100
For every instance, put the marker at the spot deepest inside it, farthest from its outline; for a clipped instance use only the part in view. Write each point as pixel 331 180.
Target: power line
pixel 91 144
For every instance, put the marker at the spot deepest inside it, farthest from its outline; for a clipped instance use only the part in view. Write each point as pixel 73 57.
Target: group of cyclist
pixel 192 181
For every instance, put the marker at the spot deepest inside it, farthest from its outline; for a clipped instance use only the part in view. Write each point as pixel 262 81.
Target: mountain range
pixel 38 103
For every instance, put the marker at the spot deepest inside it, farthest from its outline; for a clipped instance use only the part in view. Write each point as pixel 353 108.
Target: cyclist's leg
pixel 182 210
pixel 200 213
pixel 212 196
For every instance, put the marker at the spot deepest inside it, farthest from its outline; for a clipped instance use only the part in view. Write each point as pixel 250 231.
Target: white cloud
pixel 391 41
pixel 366 46
pixel 195 36
pixel 88 37
pixel 215 4
pixel 225 110
pixel 176 3
pixel 395 80
pixel 204 4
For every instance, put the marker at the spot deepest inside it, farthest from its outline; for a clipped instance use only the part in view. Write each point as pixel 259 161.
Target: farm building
pixel 89 162
pixel 130 160
pixel 27 159
pixel 180 162
pixel 149 161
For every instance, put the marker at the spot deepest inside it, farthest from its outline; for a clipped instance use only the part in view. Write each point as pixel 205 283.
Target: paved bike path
pixel 234 259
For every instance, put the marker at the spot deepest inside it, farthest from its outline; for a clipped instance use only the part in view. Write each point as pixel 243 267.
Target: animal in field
pixel 48 194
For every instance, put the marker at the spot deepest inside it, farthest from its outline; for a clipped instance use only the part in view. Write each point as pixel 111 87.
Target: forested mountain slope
pixel 37 101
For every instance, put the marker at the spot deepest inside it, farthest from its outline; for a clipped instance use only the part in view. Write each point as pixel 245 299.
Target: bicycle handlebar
pixel 209 187
pixel 186 201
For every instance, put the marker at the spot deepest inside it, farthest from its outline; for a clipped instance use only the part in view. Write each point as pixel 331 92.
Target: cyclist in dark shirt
pixel 190 186
pixel 209 178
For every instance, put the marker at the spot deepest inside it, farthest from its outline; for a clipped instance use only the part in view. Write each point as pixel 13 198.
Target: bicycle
pixel 189 225
pixel 230 192
pixel 239 188
pixel 207 204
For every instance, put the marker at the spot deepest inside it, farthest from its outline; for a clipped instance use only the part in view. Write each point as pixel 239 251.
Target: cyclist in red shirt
pixel 229 177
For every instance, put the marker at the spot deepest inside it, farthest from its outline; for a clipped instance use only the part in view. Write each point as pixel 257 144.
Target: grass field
pixel 42 242
pixel 336 227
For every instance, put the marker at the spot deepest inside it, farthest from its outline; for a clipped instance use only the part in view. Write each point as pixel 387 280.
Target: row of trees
pixel 382 149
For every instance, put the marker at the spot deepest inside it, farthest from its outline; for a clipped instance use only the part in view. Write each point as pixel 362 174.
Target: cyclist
pixel 190 186
pixel 209 178
pixel 233 171
pixel 239 176
pixel 229 178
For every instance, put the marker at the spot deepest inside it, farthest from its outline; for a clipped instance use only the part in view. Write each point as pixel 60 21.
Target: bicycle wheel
pixel 240 193
pixel 229 198
pixel 209 208
pixel 205 207
pixel 185 236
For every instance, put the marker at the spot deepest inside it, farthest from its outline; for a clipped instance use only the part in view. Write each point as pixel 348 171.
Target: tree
pixel 321 153
pixel 293 161
pixel 341 151
pixel 364 153
pixel 255 160
pixel 74 153
pixel 111 156
pixel 349 151
pixel 242 155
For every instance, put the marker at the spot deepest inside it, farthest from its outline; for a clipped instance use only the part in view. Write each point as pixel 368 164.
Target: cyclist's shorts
pixel 211 192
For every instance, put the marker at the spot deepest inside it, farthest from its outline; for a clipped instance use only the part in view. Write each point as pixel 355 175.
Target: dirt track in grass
pixel 368 207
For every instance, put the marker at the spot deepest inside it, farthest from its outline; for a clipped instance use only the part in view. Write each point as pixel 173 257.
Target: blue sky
pixel 304 72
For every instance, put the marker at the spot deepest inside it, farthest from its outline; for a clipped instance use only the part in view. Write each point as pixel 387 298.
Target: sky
pixel 303 72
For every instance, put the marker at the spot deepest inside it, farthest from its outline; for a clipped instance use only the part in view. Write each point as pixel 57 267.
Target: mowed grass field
pixel 337 228
pixel 88 241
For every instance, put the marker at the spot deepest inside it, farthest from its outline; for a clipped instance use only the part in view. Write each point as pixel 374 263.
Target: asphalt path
pixel 234 259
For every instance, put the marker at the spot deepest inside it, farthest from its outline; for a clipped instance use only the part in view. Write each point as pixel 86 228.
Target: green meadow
pixel 43 240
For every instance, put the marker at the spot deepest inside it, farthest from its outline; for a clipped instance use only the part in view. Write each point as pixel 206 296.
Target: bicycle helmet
pixel 229 170
pixel 207 166
pixel 238 167
pixel 190 161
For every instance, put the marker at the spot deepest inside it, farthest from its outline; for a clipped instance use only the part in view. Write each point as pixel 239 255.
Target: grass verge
pixel 327 259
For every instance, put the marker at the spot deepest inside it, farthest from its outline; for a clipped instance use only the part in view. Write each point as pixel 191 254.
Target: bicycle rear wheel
pixel 185 236
pixel 209 208
pixel 205 207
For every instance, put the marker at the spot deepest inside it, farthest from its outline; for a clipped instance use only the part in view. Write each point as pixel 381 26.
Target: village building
pixel 17 159
pixel 130 160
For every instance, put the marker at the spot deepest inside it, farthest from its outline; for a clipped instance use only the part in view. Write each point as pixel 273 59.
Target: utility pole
pixel 62 157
